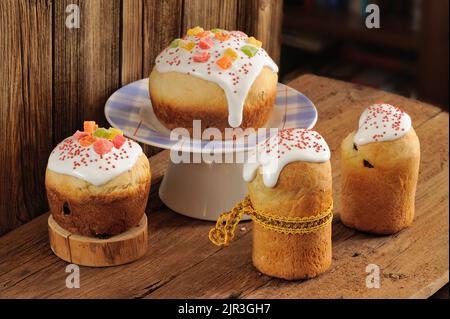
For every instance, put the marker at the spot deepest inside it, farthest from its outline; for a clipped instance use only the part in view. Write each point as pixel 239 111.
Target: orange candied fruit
pixel 221 36
pixel 202 34
pixel 87 140
pixel 90 126
pixel 224 62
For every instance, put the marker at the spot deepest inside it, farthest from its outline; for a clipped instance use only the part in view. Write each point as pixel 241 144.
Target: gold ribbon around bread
pixel 225 227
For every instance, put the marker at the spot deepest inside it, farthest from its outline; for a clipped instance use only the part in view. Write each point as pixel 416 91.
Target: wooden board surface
pixel 182 263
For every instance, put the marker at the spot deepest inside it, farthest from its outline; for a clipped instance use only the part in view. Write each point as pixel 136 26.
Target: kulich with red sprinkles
pixel 379 171
pixel 290 187
pixel 231 59
pixel 96 159
pixel 287 146
pixel 382 122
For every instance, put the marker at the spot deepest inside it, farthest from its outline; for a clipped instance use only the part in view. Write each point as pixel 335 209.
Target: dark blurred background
pixel 407 55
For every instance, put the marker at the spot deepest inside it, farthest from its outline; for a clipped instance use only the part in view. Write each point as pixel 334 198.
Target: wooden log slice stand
pixel 94 252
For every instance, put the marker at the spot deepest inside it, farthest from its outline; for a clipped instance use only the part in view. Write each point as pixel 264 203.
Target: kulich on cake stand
pixel 217 79
pixel 200 190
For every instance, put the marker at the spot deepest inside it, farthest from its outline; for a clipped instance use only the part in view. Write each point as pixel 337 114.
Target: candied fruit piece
pixel 187 45
pixel 201 57
pixel 255 42
pixel 89 126
pixel 222 36
pixel 206 43
pixel 249 50
pixel 229 52
pixel 79 135
pixel 101 132
pixel 195 31
pixel 202 34
pixel 87 140
pixel 224 62
pixel 102 146
pixel 113 132
pixel 174 43
pixel 118 141
pixel 215 30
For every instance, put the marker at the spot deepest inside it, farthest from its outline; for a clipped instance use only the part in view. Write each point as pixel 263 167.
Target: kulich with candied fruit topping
pixel 95 155
pixel 219 69
pixel 97 182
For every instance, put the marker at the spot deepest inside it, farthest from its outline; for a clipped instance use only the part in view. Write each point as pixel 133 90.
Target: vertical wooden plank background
pixel 25 108
pixel 52 77
pixel 262 19
pixel 132 41
pixel 161 24
pixel 87 65
pixel 162 21
pixel 210 14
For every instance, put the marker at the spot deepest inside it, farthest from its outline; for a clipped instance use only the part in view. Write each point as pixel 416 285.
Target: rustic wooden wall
pixel 52 77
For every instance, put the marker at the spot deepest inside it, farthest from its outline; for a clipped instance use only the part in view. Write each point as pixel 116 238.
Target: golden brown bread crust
pixel 303 189
pixel 380 199
pixel 104 210
pixel 179 98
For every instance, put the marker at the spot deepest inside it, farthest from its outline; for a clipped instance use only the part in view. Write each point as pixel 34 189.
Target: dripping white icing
pixel 70 158
pixel 287 146
pixel 235 81
pixel 382 122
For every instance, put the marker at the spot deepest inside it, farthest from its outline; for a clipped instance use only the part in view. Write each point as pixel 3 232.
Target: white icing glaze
pixel 235 81
pixel 70 158
pixel 287 146
pixel 382 122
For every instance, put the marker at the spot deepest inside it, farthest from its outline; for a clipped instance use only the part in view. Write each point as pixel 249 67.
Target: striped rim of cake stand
pixel 129 109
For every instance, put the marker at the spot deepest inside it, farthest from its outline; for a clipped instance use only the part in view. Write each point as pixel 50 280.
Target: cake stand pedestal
pixel 200 190
pixel 94 252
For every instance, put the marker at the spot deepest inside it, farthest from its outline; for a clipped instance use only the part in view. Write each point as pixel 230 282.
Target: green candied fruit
pixel 215 30
pixel 249 50
pixel 174 43
pixel 102 132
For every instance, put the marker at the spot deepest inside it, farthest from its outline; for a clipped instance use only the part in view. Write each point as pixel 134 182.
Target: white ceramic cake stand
pixel 206 189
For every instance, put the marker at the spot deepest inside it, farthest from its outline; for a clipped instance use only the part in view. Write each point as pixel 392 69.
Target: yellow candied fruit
pixel 195 31
pixel 113 132
pixel 229 52
pixel 187 45
pixel 255 42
